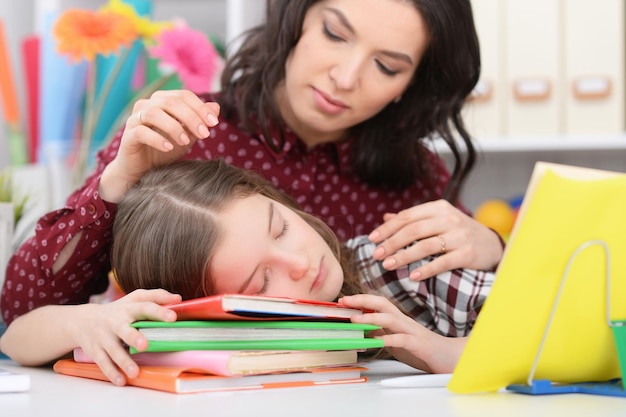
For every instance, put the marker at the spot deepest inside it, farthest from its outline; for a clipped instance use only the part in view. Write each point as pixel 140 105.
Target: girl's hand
pixel 404 338
pixel 100 330
pixel 435 228
pixel 160 130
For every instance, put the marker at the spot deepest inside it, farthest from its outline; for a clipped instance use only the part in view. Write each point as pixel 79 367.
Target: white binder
pixel 532 61
pixel 594 66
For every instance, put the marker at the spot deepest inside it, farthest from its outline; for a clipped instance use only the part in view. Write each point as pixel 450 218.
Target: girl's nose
pixel 298 265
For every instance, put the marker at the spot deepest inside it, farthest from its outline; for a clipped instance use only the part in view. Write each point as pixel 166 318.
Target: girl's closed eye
pixel 266 283
pixel 285 228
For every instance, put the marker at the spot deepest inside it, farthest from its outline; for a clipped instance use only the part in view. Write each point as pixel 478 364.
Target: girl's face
pixel 268 249
pixel 354 57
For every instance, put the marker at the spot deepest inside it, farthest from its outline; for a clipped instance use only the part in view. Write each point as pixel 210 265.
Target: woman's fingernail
pixel 389 263
pixel 379 252
pixel 415 275
pixel 184 138
pixel 203 131
pixel 212 119
pixel 374 235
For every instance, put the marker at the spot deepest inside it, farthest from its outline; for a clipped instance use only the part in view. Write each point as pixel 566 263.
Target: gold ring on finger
pixel 442 249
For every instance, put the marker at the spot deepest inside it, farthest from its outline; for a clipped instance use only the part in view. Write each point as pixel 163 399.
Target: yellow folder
pixel 564 208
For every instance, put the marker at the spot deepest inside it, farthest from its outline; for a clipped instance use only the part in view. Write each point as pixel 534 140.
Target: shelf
pixel 553 143
pixel 505 144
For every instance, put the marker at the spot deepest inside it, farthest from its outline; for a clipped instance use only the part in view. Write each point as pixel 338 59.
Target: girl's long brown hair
pixel 166 228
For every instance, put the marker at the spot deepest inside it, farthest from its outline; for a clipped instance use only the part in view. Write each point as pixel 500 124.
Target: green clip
pixel 619 332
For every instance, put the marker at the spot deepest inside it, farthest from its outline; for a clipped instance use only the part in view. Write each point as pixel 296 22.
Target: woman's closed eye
pixel 336 38
pixel 330 34
pixel 385 70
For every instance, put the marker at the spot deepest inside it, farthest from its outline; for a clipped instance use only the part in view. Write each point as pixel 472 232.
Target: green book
pixel 256 335
pixel 191 331
pixel 286 344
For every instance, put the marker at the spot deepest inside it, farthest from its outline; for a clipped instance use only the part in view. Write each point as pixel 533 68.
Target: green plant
pixel 9 195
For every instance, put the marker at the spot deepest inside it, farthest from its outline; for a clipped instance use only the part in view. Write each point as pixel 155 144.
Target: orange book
pixel 255 307
pixel 185 380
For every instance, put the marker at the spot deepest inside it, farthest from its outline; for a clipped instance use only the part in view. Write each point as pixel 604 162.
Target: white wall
pixel 17 19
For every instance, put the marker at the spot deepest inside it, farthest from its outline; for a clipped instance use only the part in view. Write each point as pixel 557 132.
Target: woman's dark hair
pixel 390 151
pixel 166 227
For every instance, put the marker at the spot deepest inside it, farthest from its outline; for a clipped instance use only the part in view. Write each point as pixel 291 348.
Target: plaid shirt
pixel 448 303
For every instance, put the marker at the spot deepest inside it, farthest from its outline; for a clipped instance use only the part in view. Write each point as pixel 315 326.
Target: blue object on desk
pixel 3 327
pixel 611 388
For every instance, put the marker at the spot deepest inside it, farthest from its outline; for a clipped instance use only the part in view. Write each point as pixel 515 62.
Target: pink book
pixel 241 362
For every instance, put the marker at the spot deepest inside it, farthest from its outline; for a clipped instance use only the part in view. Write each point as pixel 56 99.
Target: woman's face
pixel 354 57
pixel 266 248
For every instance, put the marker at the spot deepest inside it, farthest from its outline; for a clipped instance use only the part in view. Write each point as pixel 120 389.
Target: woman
pixel 334 102
pixel 184 227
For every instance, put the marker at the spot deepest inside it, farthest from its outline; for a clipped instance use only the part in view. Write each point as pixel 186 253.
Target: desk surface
pixel 53 394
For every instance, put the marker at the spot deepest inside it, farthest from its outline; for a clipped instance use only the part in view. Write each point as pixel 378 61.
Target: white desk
pixel 53 394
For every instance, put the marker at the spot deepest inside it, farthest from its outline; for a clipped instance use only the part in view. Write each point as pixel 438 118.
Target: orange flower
pixel 83 34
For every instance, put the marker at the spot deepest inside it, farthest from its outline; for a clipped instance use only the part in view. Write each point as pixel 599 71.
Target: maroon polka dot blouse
pixel 317 178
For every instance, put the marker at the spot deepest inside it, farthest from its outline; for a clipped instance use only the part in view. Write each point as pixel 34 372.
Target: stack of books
pixel 234 342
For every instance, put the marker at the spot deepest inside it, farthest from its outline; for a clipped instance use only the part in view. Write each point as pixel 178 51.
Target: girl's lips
pixel 327 104
pixel 321 276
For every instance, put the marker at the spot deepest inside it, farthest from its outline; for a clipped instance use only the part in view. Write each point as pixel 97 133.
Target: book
pixel 272 344
pixel 254 307
pixel 184 380
pixel 250 330
pixel 13 381
pixel 236 363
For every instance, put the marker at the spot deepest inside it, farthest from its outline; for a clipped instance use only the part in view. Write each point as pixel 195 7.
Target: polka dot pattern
pixel 317 178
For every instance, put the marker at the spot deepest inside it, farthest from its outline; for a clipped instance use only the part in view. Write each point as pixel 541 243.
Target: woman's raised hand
pixel 435 228
pixel 160 130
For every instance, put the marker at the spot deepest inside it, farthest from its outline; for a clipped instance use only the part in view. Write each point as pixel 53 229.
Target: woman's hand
pixel 404 338
pixel 435 228
pixel 100 329
pixel 160 130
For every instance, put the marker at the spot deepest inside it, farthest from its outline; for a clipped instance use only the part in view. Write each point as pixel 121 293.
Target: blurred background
pixel 551 88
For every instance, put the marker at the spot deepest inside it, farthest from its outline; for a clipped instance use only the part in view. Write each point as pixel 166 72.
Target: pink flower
pixel 188 53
